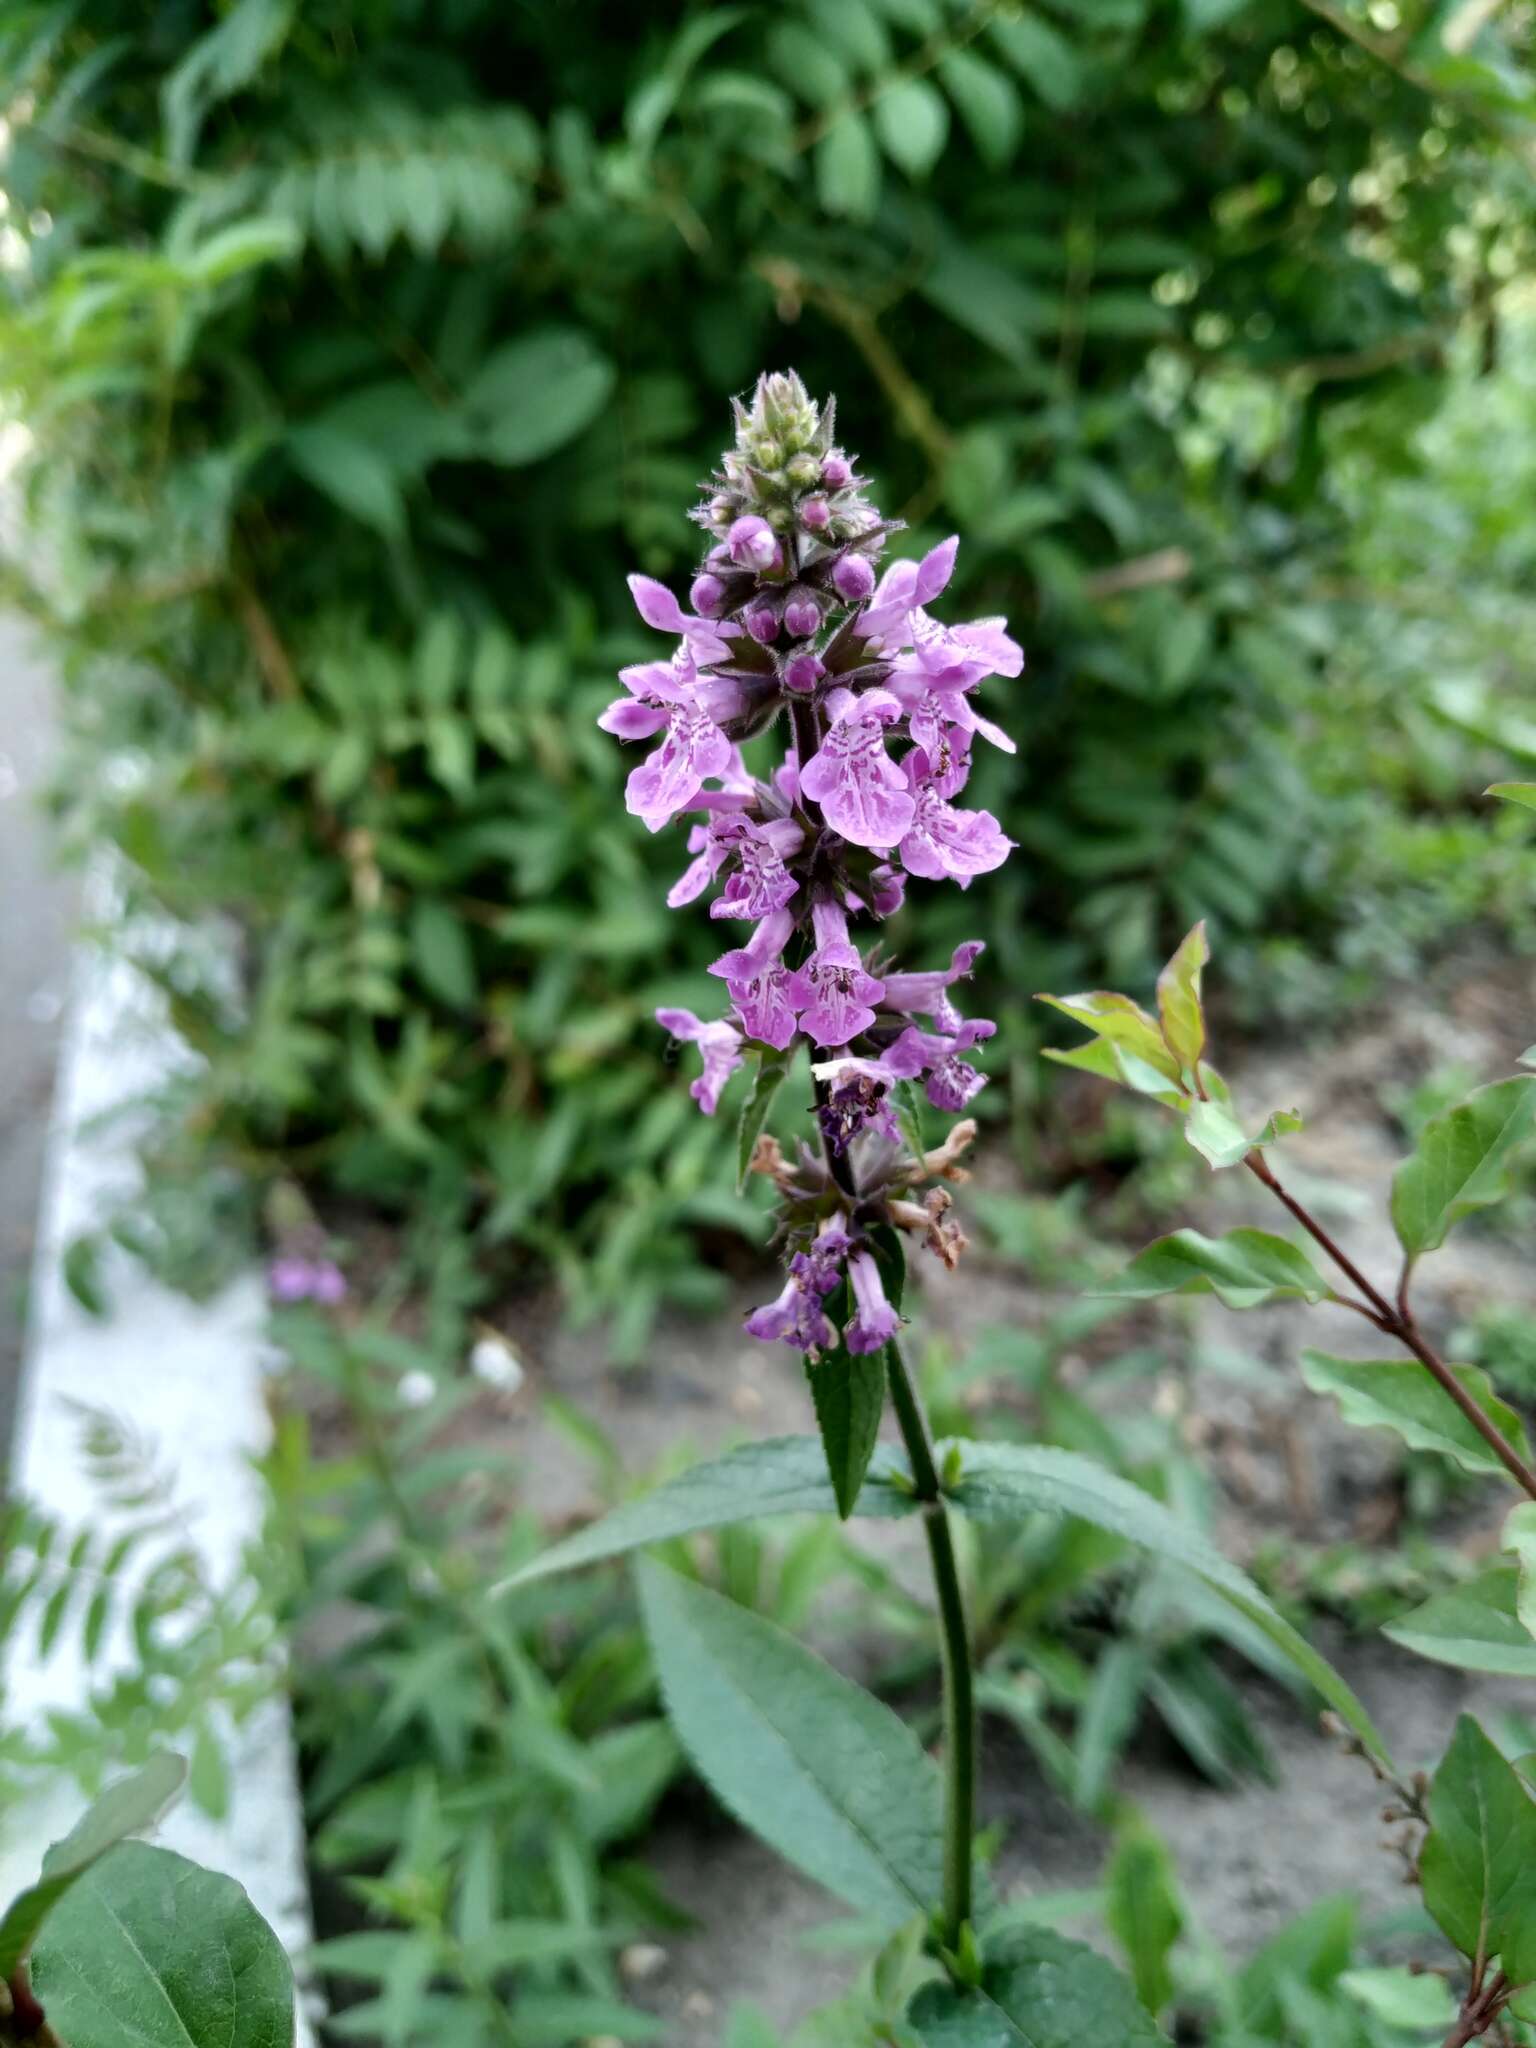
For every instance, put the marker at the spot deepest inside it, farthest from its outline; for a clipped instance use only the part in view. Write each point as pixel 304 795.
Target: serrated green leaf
pixel 149 1951
pixel 1398 1394
pixel 1037 1990
pixel 1006 1482
pixel 1143 1911
pixel 1245 1269
pixel 817 1767
pixel 772 1067
pixel 1476 1627
pixel 1476 1863
pixel 126 1808
pixel 779 1476
pixel 1178 998
pixel 1459 1163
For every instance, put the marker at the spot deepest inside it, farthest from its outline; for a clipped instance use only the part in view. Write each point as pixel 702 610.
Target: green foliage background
pixel 365 344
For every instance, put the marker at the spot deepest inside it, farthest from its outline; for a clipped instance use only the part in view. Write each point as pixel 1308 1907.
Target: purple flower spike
pixel 861 797
pixel 720 1045
pixel 751 543
pixel 292 1278
pixel 874 1322
pixel 853 578
pixel 862 793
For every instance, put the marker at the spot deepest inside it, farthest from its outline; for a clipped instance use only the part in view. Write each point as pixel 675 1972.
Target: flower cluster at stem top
pixel 792 627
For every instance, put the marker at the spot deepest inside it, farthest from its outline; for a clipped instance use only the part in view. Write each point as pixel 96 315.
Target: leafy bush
pixel 362 347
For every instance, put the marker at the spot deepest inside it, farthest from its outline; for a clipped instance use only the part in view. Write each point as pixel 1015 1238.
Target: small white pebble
pixel 495 1362
pixel 641 1961
pixel 698 2005
pixel 416 1388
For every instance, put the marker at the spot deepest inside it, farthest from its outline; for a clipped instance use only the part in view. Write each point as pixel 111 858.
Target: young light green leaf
pixel 1004 1482
pixel 1520 1537
pixel 149 1951
pixel 1476 1627
pixel 1214 1131
pixel 772 1067
pixel 1514 793
pixel 1037 1990
pixel 1178 999
pixel 1121 1021
pixel 1111 1062
pixel 1398 1394
pixel 848 168
pixel 819 1768
pixel 127 1808
pixel 1245 1268
pixel 1459 1164
pixel 1418 2003
pixel 912 121
pixel 1144 1911
pixel 532 395
pixel 1477 1858
pixel 784 1475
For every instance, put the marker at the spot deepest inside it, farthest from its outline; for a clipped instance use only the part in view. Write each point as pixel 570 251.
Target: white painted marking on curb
pixel 188 1376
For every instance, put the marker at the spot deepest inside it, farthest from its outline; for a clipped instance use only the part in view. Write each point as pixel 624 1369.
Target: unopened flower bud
pixel 763 623
pixel 720 510
pixel 767 454
pixel 802 615
pixel 803 471
pixel 836 472
pixel 752 544
pixel 815 515
pixel 852 578
pixel 803 671
pixel 706 595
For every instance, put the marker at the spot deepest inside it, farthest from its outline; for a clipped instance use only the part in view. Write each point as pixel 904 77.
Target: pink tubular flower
pixel 720 1045
pixel 767 996
pixel 838 992
pixel 293 1278
pixel 874 1322
pixel 941 841
pixel 862 793
pixel 796 1318
pixel 761 883
pixel 751 545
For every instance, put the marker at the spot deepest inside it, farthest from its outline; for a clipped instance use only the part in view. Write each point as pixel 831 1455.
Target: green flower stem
pixel 959 1692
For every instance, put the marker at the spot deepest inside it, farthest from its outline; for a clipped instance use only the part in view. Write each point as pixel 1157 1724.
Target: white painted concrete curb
pixel 189 1376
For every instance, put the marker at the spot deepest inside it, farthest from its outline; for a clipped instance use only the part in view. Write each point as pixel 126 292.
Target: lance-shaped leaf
pixel 819 1768
pixel 126 1808
pixel 784 1475
pixel 1460 1162
pixel 1476 1863
pixel 1178 999
pixel 1143 1911
pixel 1245 1268
pixel 772 1067
pixel 848 1387
pixel 1123 1023
pixel 1398 1394
pixel 1214 1131
pixel 1476 1627
pixel 1514 793
pixel 1005 1482
pixel 1037 1990
pixel 149 1951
